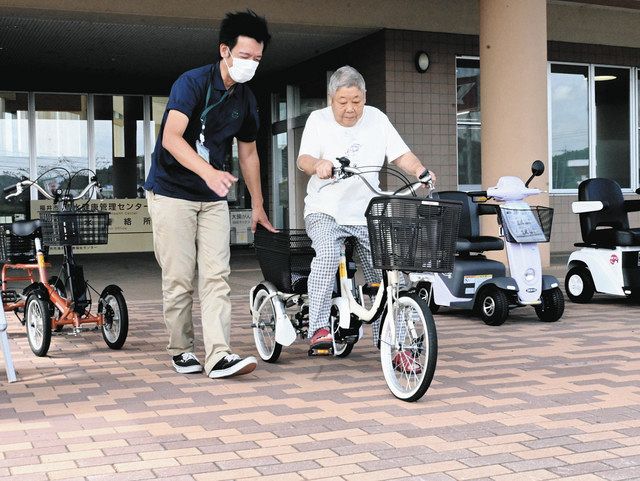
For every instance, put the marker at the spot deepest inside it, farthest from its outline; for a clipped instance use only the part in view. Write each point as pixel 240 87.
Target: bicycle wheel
pixel 264 327
pixel 116 317
pixel 341 349
pixel 38 322
pixel 409 363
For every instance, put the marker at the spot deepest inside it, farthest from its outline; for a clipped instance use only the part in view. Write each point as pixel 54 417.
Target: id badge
pixel 202 150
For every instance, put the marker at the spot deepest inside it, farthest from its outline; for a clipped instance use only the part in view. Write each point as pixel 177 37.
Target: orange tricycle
pixel 49 304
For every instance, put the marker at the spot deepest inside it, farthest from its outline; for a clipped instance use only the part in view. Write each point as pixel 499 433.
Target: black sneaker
pixel 233 365
pixel 186 363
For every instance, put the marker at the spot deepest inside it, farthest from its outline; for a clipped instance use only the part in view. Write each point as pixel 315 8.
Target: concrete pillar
pixel 513 93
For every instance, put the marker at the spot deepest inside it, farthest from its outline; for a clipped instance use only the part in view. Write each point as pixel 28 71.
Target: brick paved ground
pixel 524 401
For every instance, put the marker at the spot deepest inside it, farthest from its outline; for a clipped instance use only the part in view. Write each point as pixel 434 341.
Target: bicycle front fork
pixel 76 283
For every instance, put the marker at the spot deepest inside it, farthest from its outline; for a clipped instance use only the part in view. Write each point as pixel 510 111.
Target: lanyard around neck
pixel 203 115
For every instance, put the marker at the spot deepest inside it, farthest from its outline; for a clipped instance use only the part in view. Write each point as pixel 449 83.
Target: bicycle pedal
pixel 321 351
pixel 10 296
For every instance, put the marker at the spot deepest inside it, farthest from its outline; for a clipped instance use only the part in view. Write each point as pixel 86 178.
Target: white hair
pixel 346 77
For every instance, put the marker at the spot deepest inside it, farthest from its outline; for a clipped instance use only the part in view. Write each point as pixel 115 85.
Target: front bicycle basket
pixel 15 249
pixel 75 228
pixel 526 224
pixel 285 258
pixel 413 234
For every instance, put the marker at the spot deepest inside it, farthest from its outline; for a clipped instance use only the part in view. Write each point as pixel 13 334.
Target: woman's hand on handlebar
pixel 324 169
pixel 426 176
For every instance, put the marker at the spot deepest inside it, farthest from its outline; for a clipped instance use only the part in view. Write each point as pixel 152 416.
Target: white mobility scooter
pixel 471 267
pixel 608 259
pixel 481 284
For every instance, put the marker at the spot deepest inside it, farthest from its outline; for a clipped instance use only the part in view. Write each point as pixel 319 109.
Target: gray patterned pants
pixel 327 237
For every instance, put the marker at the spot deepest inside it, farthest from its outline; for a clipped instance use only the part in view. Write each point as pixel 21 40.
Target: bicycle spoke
pixel 409 363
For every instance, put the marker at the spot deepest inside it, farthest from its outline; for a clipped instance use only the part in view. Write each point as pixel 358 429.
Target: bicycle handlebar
pixel 345 171
pixel 9 189
pixel 17 189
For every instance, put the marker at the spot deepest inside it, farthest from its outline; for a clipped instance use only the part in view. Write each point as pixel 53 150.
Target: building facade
pixel 508 81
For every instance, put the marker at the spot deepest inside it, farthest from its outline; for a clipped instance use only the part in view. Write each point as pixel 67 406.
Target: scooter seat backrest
pixel 613 215
pixel 469 217
pixel 469 238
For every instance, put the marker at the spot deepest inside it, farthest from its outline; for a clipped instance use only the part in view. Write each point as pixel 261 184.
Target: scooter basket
pixel 285 258
pixel 16 249
pixel 530 224
pixel 75 228
pixel 413 234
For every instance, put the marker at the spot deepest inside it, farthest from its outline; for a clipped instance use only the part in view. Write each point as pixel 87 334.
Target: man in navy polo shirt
pixel 187 188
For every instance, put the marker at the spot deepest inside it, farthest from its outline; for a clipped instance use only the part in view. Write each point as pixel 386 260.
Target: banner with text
pixel 130 225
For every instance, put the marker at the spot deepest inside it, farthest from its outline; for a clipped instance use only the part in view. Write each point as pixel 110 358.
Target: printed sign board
pixel 130 225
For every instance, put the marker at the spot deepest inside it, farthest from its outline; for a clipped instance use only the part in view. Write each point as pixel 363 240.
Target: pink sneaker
pixel 322 338
pixel 404 362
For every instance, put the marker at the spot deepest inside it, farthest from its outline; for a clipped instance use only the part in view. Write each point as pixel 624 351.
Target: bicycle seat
pixel 25 228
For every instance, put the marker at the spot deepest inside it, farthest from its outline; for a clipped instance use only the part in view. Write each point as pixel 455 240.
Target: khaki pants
pixel 186 235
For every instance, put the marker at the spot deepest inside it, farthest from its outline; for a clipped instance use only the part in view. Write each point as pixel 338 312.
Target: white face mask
pixel 242 70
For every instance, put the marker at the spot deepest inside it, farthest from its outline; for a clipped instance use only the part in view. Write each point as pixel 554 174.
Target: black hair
pixel 248 24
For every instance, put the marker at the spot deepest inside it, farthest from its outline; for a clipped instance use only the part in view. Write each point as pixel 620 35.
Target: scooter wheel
pixel 578 284
pixel 634 296
pixel 552 306
pixel 423 289
pixel 493 306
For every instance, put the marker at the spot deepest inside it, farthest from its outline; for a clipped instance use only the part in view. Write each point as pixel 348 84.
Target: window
pixel 61 139
pixel 119 146
pixel 14 150
pixel 591 128
pixel 612 117
pixel 468 122
pixel 569 86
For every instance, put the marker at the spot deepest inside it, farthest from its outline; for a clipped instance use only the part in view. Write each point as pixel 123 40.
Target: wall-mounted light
pixel 422 61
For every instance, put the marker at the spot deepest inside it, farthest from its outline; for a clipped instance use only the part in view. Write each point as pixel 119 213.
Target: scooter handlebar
pixel 477 193
pixel 508 194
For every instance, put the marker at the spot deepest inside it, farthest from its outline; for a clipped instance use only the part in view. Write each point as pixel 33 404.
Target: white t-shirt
pixel 366 145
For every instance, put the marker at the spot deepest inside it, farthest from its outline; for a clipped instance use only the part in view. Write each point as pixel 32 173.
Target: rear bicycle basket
pixel 75 228
pixel 413 234
pixel 16 249
pixel 285 258
pixel 526 224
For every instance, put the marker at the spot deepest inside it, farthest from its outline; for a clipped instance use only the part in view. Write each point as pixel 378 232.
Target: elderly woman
pixel 364 135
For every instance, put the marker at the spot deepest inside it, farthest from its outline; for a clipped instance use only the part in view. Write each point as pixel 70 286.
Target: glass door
pixel 14 151
pixel 612 124
pixel 280 166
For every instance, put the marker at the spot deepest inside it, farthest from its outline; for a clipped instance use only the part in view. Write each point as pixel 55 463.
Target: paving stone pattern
pixel 523 401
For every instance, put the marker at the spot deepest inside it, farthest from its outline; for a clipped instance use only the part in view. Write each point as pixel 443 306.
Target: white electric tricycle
pixel 407 233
